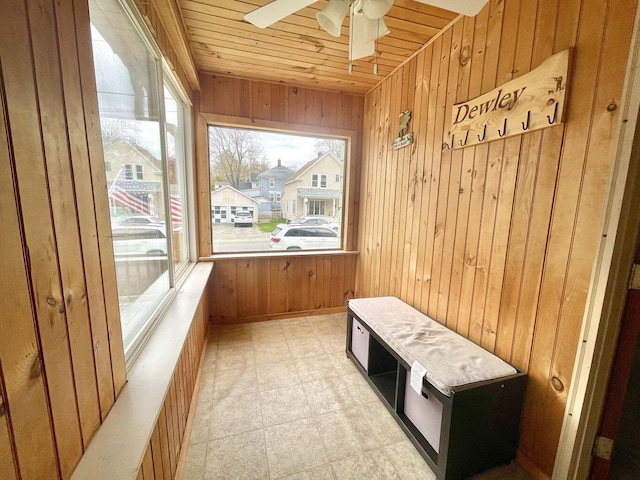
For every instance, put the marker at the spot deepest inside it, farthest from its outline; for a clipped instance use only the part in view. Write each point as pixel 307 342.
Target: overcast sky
pixel 293 150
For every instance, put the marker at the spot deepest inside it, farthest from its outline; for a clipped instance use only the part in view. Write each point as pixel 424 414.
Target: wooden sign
pixel 403 138
pixel 531 102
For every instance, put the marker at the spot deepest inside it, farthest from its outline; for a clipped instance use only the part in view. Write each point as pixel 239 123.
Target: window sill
pixel 119 445
pixel 276 254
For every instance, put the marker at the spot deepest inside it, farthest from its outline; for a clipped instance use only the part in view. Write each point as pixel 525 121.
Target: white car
pixel 303 237
pixel 139 240
pixel 142 220
pixel 314 221
pixel 243 217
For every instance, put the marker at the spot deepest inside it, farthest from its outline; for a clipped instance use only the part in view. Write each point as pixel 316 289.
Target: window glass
pixel 144 165
pixel 280 178
pixel 174 115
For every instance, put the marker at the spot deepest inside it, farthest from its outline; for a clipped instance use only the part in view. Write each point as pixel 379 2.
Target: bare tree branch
pixel 235 154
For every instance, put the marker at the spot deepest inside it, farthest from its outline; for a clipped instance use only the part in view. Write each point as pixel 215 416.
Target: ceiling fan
pixel 366 18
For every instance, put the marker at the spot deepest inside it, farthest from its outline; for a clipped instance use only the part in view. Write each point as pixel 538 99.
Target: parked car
pixel 314 221
pixel 243 217
pixel 142 220
pixel 303 237
pixel 139 240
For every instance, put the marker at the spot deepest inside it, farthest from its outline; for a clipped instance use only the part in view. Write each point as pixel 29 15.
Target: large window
pixel 143 133
pixel 294 185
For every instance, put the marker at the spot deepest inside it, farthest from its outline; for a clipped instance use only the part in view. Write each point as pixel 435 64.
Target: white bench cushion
pixel 450 359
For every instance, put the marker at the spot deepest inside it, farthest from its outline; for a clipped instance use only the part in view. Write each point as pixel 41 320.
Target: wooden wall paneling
pixel 440 57
pixel 7 462
pixel 101 202
pixel 485 238
pixel 424 255
pixel 528 170
pixel 591 201
pixel 157 453
pixel 278 276
pixel 25 400
pixel 86 213
pixel 495 269
pixel 81 374
pixel 202 180
pixel 414 186
pixel 450 166
pixel 389 187
pixel 21 108
pixel 404 179
pixel 371 146
pixel 457 77
pixel 540 403
pixel 379 183
pixel 147 466
pixel 440 176
pixel 388 208
pixel 423 69
pixel 164 444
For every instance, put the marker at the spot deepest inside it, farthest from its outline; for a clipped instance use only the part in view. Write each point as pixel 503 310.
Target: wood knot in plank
pixel 557 384
pixel 35 370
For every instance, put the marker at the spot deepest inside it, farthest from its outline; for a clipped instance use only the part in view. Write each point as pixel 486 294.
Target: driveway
pixel 227 238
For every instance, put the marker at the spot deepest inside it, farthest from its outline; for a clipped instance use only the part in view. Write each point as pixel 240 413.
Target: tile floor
pixel 280 400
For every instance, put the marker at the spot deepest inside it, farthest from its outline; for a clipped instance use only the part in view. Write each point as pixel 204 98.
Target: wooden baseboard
pixel 279 316
pixel 531 468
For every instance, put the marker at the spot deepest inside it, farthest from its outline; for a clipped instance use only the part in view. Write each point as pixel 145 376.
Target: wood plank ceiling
pixel 296 50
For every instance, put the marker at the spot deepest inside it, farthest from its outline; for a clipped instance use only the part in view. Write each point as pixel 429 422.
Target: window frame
pixel 348 202
pixel 177 276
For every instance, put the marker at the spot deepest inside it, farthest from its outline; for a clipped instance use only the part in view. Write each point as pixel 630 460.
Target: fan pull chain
pixel 375 65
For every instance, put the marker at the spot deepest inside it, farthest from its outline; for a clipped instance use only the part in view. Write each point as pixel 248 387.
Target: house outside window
pixel 316 207
pixel 133 171
pixel 337 178
pixel 293 207
pixel 319 180
pixel 272 183
pixel 275 196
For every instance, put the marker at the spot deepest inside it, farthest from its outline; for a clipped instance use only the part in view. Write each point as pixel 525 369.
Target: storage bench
pixel 459 404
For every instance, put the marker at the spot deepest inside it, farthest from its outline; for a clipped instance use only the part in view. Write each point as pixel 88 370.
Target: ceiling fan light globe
pixel 375 9
pixel 331 17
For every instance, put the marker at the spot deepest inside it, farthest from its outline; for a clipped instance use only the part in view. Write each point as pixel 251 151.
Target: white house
pixel 314 189
pixel 226 201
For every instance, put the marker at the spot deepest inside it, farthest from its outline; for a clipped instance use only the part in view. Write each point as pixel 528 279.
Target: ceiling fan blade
pixel 469 8
pixel 363 32
pixel 275 11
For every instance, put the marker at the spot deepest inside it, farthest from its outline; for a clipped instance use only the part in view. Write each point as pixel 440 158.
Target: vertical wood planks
pixel 60 291
pixel 292 283
pixel 501 238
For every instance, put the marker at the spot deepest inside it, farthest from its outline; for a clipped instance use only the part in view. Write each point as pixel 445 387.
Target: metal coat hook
pixel 526 127
pixel 555 115
pixel 504 129
pixel 484 134
pixel 462 144
pixel 453 139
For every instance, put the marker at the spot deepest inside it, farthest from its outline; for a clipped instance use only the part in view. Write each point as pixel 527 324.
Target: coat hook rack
pixel 453 139
pixel 555 115
pixel 526 126
pixel 462 144
pixel 504 129
pixel 484 134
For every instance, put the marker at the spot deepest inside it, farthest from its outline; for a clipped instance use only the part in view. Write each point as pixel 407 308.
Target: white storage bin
pixel 424 413
pixel 360 343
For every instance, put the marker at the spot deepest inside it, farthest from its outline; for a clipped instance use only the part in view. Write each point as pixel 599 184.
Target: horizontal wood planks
pixel 61 356
pixel 161 459
pixel 259 287
pixel 497 241
pixel 285 108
